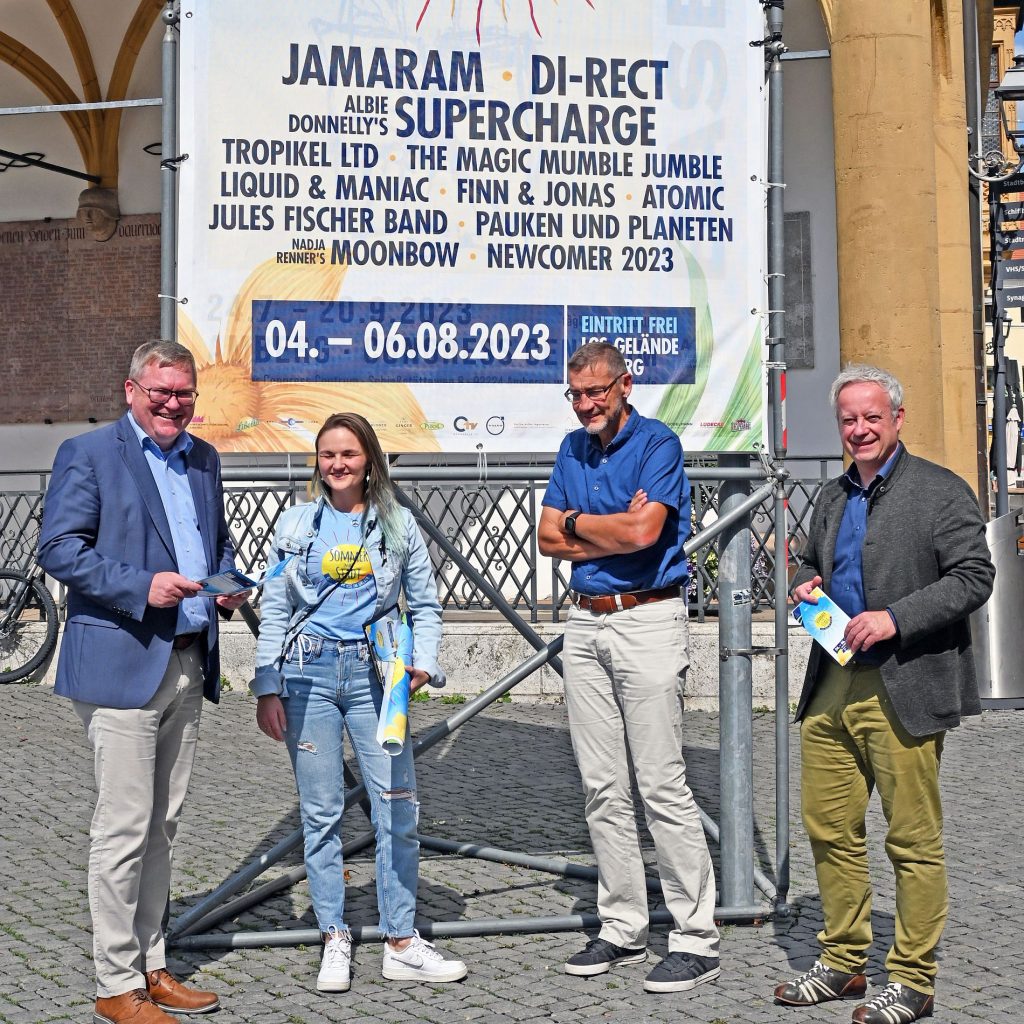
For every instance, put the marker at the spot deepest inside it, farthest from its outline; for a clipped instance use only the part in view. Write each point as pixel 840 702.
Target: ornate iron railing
pixel 491 519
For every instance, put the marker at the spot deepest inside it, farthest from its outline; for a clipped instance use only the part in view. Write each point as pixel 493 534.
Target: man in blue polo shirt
pixel 618 508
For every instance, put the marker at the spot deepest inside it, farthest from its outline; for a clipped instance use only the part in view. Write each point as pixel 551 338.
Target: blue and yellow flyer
pixel 826 622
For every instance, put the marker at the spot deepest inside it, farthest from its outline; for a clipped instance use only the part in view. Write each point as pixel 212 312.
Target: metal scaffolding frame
pixel 735 836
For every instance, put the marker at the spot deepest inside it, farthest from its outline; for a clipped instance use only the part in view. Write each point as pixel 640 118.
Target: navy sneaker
pixel 599 955
pixel 679 972
pixel 895 1004
pixel 819 985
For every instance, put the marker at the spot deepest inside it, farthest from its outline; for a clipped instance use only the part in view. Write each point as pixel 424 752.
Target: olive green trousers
pixel 851 743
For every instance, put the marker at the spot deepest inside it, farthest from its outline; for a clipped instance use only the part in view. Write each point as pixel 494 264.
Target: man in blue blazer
pixel 133 517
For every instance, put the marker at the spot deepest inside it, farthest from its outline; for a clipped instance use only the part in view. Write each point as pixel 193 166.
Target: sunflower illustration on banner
pixel 239 414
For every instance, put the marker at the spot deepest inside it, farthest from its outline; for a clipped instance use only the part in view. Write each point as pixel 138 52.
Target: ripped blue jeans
pixel 336 687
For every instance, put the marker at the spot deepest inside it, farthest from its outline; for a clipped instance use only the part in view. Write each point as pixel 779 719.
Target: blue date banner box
pixel 659 344
pixel 408 342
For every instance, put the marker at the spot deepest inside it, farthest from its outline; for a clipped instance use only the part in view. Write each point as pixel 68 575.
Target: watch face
pixel 570 523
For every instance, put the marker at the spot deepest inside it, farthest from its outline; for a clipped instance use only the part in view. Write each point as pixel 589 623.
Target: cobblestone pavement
pixel 506 779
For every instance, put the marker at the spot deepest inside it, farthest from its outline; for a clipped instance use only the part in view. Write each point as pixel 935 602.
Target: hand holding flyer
pixel 232 581
pixel 826 623
pixel 390 642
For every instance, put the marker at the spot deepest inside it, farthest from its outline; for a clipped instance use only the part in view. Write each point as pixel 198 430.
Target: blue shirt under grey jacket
pixel 601 481
pixel 847 569
pixel 847 588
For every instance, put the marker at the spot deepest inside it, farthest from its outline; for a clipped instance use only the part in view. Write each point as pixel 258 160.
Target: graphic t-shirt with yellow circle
pixel 338 560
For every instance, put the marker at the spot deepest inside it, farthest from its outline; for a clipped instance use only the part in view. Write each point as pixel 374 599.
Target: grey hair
pixel 589 355
pixel 163 353
pixel 863 373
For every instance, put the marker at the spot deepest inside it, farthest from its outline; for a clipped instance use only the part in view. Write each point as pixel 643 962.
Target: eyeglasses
pixel 594 394
pixel 161 396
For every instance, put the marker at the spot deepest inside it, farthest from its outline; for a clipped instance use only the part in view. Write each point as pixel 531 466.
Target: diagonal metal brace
pixel 478 580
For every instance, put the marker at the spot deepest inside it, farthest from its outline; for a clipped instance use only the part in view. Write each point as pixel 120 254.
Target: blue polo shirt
pixel 644 454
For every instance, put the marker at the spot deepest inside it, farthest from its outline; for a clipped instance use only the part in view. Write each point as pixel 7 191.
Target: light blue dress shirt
pixel 170 474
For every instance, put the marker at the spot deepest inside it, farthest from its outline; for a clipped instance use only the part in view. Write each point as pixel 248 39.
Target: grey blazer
pixel 925 557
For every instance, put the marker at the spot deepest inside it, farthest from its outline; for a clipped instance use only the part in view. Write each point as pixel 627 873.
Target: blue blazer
pixel 104 536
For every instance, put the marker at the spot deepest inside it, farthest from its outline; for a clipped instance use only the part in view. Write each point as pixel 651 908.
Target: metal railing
pixel 490 518
pixel 21 511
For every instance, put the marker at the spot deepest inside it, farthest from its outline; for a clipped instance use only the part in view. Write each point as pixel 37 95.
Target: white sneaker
pixel 335 967
pixel 419 961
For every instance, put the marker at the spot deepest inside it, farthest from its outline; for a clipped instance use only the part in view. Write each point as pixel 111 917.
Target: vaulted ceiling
pixel 79 51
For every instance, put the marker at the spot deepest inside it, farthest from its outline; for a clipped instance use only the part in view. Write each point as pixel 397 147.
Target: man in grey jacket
pixel 899 544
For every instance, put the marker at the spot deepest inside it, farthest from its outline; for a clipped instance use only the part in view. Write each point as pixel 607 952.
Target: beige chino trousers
pixel 624 674
pixel 143 762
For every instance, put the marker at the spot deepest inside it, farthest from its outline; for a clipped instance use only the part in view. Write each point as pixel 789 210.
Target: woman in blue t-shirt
pixel 350 554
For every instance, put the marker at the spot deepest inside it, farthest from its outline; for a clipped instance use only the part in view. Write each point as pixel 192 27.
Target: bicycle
pixel 28 623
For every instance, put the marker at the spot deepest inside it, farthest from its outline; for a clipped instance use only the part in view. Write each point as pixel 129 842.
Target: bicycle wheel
pixel 28 625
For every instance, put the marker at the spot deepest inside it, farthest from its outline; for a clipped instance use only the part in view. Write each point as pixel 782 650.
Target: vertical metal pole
pixel 972 83
pixel 774 50
pixel 168 147
pixel 736 740
pixel 777 399
pixel 998 467
pixel 168 174
pixel 781 580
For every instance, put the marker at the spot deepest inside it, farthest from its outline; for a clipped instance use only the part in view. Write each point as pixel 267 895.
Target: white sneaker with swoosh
pixel 420 961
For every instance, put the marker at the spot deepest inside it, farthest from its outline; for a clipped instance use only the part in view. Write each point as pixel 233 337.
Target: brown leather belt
pixel 620 602
pixel 185 640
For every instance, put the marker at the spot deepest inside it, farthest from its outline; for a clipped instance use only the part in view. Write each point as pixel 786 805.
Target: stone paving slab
pixel 506 779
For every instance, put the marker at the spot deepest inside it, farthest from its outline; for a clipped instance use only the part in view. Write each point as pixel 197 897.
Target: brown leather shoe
pixel 169 994
pixel 133 1007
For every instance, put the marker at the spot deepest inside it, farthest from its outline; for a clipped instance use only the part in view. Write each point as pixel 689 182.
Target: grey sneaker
pixel 895 1004
pixel 679 972
pixel 335 965
pixel 420 961
pixel 599 955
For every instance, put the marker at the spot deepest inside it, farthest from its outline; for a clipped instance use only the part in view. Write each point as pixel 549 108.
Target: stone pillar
pixel 901 212
pixel 960 378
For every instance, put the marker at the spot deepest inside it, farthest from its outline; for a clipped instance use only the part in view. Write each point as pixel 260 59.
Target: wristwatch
pixel 570 523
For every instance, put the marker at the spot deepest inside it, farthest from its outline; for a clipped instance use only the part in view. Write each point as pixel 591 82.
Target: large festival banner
pixel 419 209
